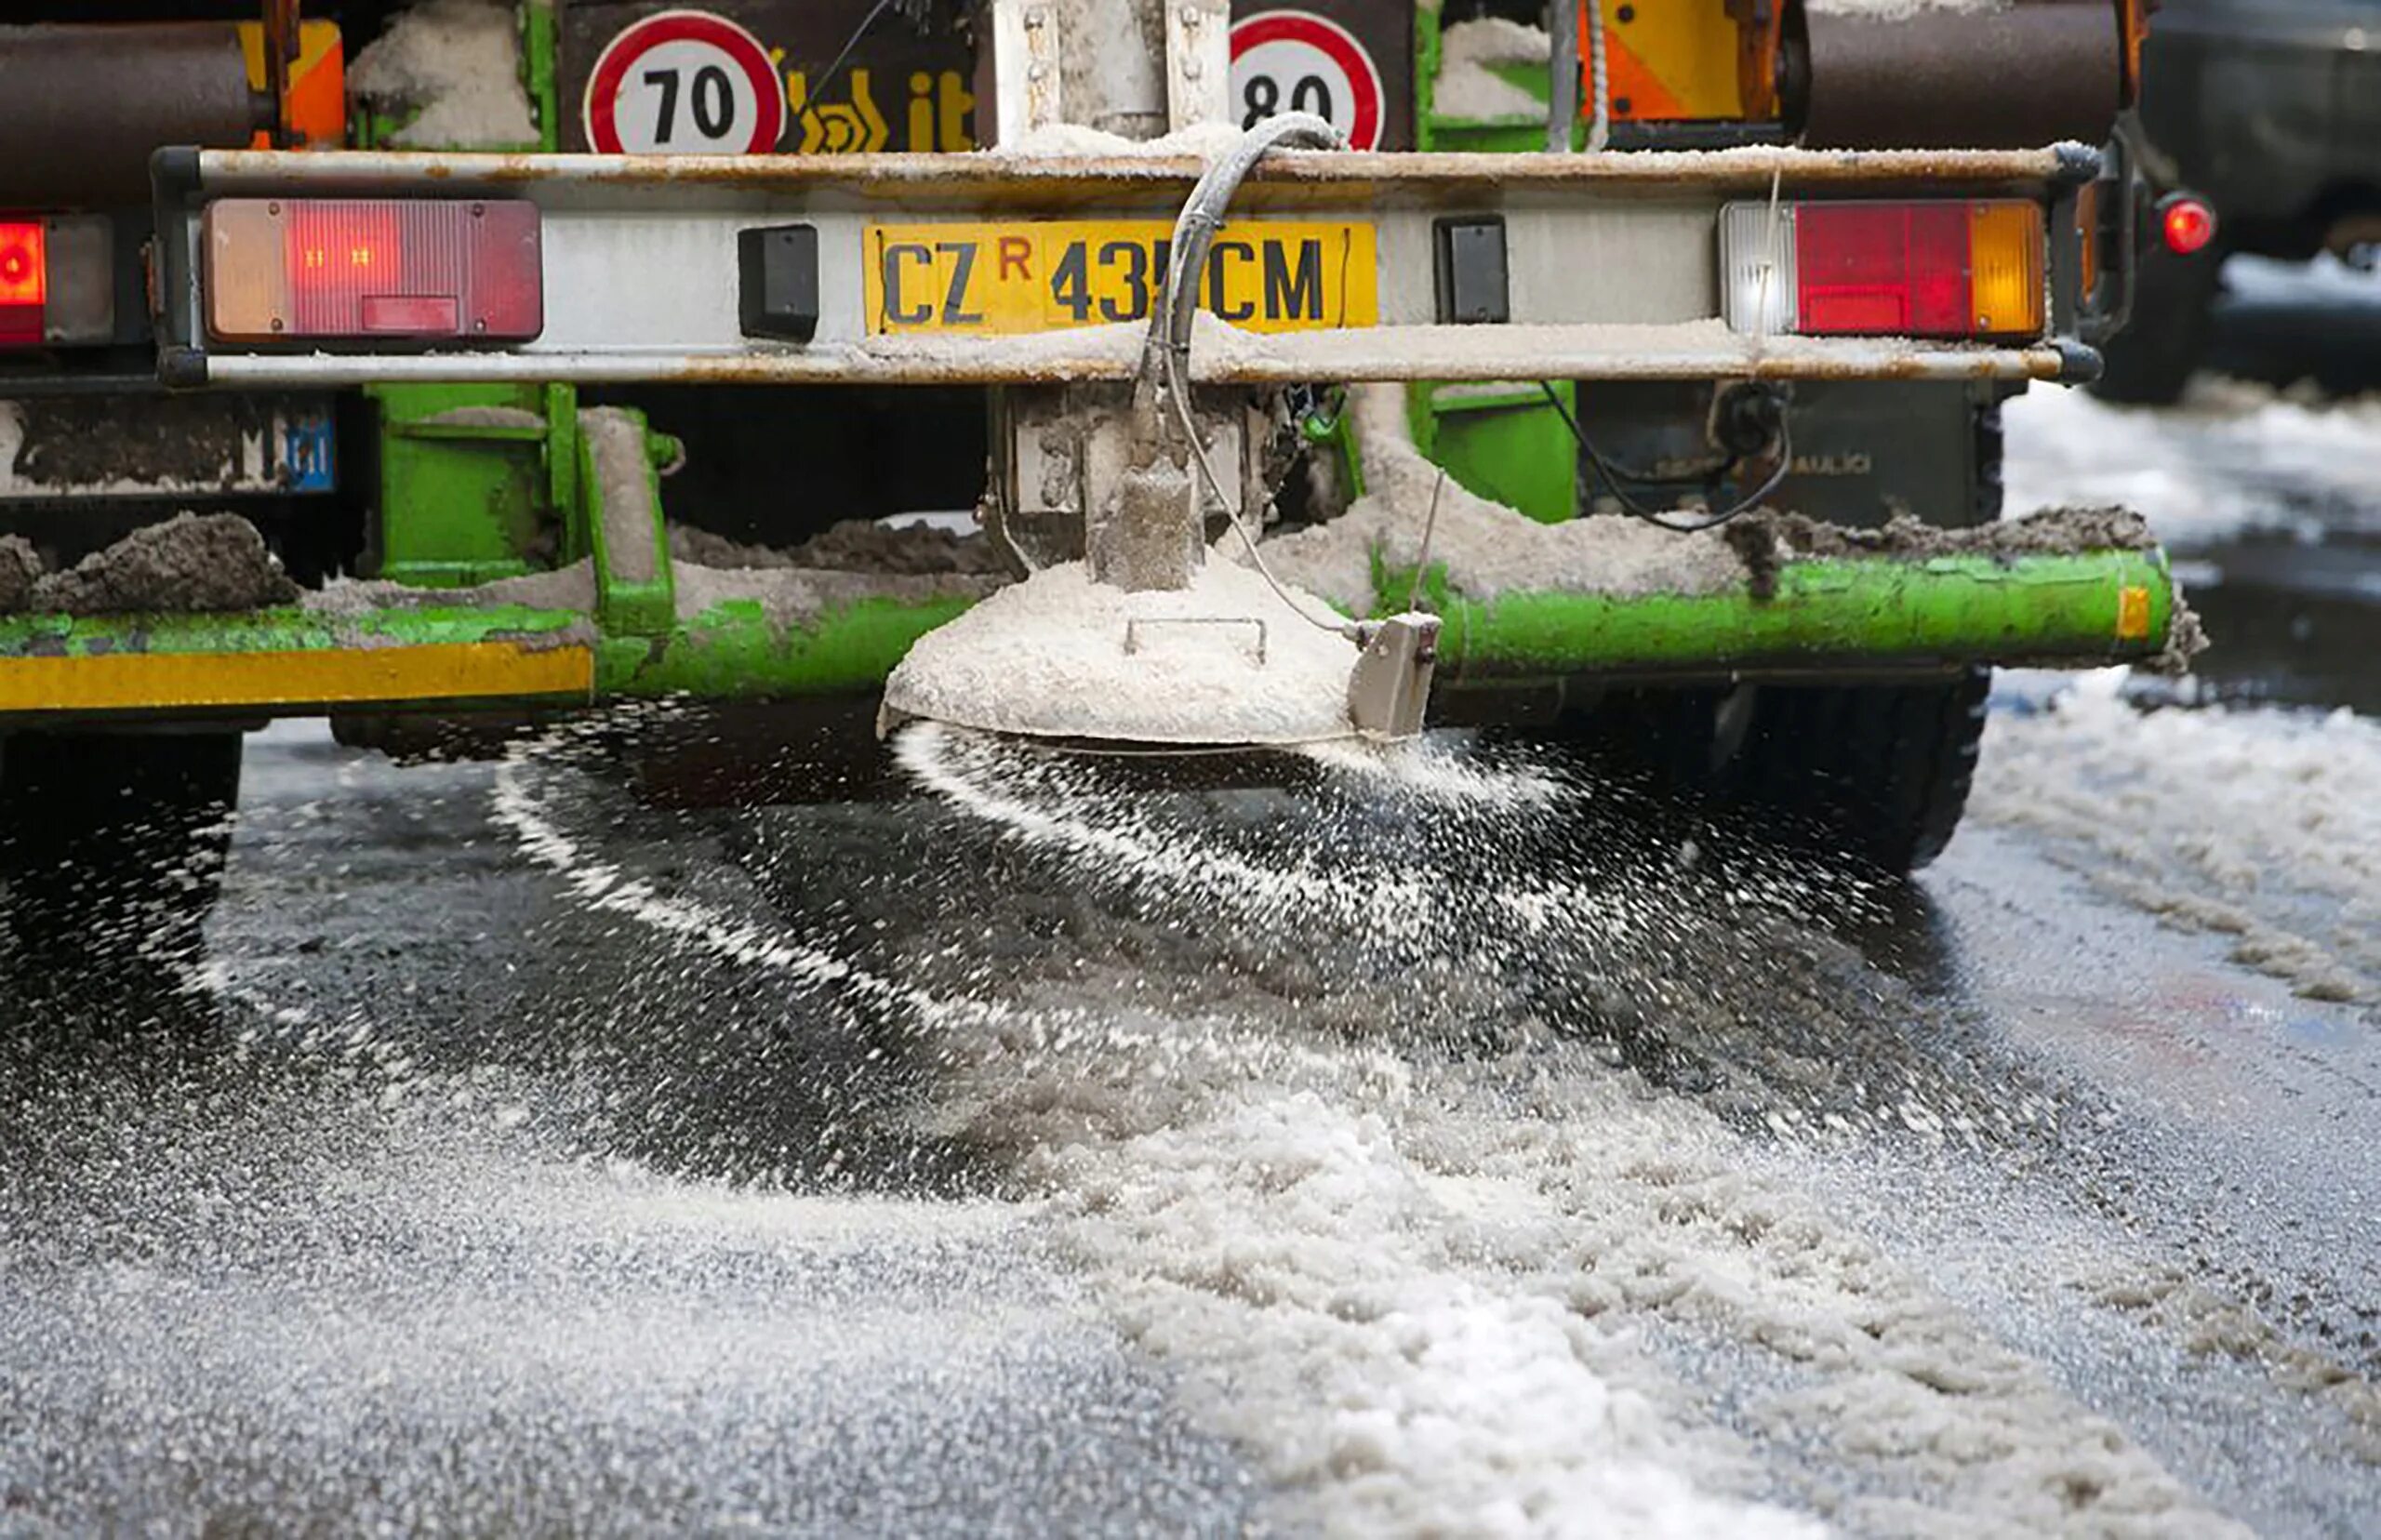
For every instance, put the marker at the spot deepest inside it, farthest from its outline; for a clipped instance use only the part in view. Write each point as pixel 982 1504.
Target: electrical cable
pixel 1636 510
pixel 867 23
pixel 1430 533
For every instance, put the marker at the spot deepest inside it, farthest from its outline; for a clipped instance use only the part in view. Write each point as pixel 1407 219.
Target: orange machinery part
pixel 1669 62
pixel 314 108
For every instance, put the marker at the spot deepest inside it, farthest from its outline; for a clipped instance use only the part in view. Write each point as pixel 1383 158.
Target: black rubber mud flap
pixel 112 848
pixel 1882 770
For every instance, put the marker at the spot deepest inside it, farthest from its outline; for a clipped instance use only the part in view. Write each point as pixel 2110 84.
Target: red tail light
pixel 24 282
pixel 1935 270
pixel 374 271
pixel 1896 271
pixel 2187 223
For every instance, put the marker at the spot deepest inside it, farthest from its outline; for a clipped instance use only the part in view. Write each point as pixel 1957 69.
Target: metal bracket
pixel 635 591
pixel 1198 62
pixel 1388 696
pixel 1025 87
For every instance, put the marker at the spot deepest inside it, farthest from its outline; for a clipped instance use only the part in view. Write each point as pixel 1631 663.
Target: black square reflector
pixel 776 270
pixel 1473 286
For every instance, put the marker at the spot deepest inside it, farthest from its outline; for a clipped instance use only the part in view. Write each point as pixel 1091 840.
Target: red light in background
pixel 23 268
pixel 2188 224
pixel 24 282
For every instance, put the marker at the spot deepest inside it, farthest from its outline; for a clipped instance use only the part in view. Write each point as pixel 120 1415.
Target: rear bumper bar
pixel 1454 355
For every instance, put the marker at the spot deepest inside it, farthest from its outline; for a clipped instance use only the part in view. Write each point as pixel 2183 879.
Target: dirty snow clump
pixel 1486 548
pixel 1468 85
pixel 455 64
pixel 192 562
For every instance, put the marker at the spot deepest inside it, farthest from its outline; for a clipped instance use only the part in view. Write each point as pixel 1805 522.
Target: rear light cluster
pixel 1925 270
pixel 56 281
pixel 373 269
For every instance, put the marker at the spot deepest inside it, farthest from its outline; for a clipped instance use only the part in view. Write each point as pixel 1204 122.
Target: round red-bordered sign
pixel 685 82
pixel 1294 61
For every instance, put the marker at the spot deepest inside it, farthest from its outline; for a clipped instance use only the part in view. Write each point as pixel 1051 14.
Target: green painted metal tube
pixel 733 649
pixel 2063 611
pixel 2071 611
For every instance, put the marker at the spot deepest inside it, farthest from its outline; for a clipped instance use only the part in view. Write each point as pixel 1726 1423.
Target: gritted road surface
pixel 1487 1147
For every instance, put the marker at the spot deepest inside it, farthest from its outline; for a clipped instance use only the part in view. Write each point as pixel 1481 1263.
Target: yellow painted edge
pixel 447 670
pixel 2133 613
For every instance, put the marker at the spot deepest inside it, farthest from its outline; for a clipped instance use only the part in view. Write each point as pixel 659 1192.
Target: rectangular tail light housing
pixel 56 281
pixel 1954 270
pixel 380 273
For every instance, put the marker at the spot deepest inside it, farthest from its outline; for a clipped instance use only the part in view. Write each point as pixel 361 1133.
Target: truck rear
pixel 1620 369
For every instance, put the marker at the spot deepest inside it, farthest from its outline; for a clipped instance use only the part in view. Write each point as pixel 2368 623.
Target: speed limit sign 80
pixel 685 83
pixel 1296 61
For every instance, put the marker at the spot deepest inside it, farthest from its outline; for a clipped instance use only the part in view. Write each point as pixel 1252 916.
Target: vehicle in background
pixel 2269 111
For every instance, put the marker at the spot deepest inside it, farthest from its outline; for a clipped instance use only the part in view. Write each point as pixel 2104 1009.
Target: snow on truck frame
pixel 1535 372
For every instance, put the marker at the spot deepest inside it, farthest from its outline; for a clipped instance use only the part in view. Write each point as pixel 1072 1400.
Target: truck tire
pixel 113 846
pixel 1882 770
pixel 2174 306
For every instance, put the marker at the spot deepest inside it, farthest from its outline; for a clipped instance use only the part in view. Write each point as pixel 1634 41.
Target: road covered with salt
pixel 1470 1142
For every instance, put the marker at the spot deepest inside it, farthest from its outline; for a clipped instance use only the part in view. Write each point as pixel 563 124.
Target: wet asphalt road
pixel 411 1217
pixel 510 1168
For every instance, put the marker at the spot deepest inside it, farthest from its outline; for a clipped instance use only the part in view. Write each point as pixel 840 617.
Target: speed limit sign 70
pixel 1296 61
pixel 685 83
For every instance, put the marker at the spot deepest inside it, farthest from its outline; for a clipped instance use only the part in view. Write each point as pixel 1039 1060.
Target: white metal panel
pixel 640 281
pixel 1640 262
pixel 1198 62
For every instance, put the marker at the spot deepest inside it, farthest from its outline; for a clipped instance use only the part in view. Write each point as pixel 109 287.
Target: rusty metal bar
pixel 1112 355
pixel 998 180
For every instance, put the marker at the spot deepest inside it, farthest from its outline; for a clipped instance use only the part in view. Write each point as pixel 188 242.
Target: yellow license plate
pixel 1267 275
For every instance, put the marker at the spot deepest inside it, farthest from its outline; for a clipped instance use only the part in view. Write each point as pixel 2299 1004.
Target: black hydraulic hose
pixel 1165 363
pixel 1195 233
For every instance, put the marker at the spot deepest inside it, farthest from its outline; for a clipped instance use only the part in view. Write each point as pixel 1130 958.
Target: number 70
pixel 714 103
